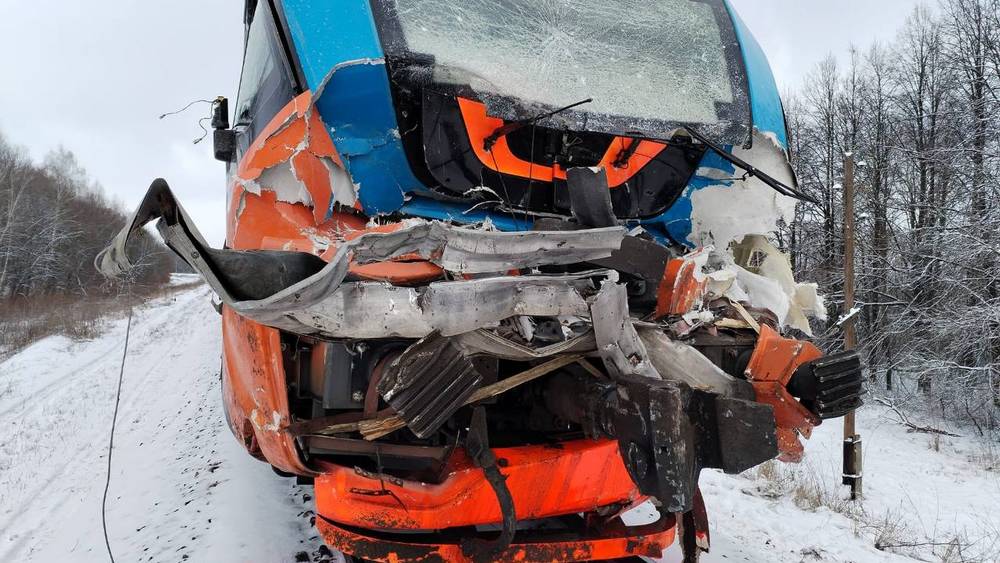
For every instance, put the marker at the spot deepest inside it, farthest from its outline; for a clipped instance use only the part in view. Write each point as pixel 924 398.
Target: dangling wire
pixel 526 200
pixel 114 421
pixel 162 115
pixel 204 131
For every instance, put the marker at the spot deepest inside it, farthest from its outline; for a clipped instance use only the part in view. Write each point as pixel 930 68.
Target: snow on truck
pixel 497 272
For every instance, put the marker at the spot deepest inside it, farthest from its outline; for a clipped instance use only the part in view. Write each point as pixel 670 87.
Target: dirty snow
pixel 183 489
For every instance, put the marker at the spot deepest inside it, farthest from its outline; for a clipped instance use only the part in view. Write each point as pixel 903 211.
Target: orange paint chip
pixel 679 290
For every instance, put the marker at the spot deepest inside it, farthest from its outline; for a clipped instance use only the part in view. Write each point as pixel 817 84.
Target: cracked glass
pixel 649 66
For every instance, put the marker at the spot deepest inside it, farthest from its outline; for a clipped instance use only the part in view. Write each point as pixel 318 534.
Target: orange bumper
pixel 613 542
pixel 391 519
pixel 545 481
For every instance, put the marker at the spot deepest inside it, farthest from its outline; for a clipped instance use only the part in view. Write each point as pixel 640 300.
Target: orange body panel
pixel 479 126
pixel 253 377
pixel 772 364
pixel 257 219
pixel 545 481
pixel 255 395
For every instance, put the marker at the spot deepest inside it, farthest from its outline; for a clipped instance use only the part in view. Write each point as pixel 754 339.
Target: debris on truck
pixel 496 273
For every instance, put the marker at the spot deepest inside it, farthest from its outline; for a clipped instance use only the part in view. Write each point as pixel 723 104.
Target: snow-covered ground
pixel 183 489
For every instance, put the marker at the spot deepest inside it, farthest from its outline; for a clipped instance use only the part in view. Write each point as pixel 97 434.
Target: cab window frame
pixel 277 86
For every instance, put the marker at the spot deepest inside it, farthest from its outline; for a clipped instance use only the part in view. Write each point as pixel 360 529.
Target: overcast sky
pixel 94 77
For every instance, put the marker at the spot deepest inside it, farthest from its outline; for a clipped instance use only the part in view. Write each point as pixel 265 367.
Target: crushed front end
pixel 490 308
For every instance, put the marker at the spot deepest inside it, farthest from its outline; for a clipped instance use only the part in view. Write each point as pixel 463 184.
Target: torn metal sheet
pixel 682 288
pixel 295 158
pixel 617 340
pixel 773 363
pixel 378 310
pixel 473 251
pixel 677 361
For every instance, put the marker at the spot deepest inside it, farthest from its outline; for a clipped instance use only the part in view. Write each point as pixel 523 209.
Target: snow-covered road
pixel 182 489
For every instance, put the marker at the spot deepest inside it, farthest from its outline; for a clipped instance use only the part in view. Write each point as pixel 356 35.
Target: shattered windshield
pixel 649 66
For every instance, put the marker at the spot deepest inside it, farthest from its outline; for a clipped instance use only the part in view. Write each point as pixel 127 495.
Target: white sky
pixel 94 77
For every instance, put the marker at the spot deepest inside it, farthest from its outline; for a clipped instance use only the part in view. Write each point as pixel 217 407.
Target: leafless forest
pixel 921 117
pixel 53 221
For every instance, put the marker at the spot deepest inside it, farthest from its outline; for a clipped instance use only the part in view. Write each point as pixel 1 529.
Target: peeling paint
pixel 275 423
pixel 284 183
pixel 295 158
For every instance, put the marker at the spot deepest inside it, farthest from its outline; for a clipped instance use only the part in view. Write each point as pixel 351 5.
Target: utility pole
pixel 852 440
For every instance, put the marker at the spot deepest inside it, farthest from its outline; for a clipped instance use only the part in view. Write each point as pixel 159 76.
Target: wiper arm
pixel 507 128
pixel 775 185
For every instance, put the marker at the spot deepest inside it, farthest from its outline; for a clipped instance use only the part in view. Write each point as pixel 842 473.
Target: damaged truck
pixel 496 273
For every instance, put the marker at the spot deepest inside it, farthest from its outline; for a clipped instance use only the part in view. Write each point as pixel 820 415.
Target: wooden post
pixel 852 440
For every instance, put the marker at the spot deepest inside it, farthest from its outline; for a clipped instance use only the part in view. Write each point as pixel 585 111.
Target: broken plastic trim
pixel 323 304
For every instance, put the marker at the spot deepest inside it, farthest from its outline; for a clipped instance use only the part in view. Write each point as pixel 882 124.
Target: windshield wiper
pixel 507 128
pixel 775 185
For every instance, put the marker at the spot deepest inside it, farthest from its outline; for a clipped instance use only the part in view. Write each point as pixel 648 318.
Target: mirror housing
pixel 224 138
pixel 224 144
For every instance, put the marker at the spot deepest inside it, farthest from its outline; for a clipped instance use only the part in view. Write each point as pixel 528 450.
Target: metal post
pixel 852 440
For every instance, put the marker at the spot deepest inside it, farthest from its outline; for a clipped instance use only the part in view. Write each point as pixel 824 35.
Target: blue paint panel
pixel 349 106
pixel 765 102
pixel 331 32
pixel 355 102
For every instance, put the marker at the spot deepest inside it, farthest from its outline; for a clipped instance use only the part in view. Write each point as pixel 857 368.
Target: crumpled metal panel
pixel 380 310
pixel 472 251
pixel 324 304
pixel 772 364
pixel 490 343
